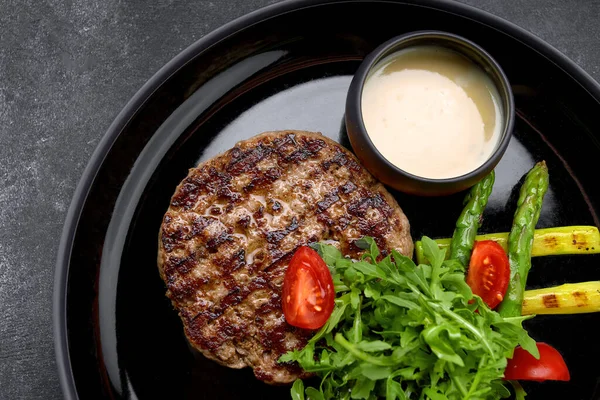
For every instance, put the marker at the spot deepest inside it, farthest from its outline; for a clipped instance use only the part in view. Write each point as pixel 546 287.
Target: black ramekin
pixel 383 169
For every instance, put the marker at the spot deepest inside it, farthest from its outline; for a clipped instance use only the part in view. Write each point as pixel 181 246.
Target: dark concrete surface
pixel 67 67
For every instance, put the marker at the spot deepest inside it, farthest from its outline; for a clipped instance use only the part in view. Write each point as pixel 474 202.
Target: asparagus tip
pixel 542 164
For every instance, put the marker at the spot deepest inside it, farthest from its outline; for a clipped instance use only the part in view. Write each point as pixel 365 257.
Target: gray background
pixel 67 67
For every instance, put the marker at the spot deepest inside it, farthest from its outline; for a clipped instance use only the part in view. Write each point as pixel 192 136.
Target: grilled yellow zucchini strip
pixel 570 298
pixel 546 242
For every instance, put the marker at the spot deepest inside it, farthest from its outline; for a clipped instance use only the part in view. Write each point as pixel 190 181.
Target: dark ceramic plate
pixel 288 67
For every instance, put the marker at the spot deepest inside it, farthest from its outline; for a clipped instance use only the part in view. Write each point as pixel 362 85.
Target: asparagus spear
pixel 470 220
pixel 520 239
pixel 570 298
pixel 546 242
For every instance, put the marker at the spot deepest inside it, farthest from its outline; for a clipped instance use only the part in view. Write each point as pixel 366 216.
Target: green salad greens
pixel 406 331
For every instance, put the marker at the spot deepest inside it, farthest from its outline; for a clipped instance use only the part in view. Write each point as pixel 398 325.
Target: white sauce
pixel 432 112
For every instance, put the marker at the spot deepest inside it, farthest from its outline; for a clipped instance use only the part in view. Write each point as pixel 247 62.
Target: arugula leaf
pixel 434 394
pixel 362 388
pixel 372 293
pixel 355 298
pixel 403 263
pixel 389 268
pixel 328 253
pixel 519 391
pixel 356 333
pixel 442 346
pixel 434 254
pixel 368 269
pixel 408 332
pixel 376 345
pixel 454 266
pixel 290 356
pixel 515 327
pixel 297 390
pixel 374 372
pixel 314 394
pixel 394 390
pixel 368 243
pixel 399 301
pixel 336 315
pixel 418 277
pixel 455 282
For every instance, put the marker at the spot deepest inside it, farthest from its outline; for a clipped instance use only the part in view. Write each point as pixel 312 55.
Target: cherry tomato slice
pixel 489 272
pixel 308 292
pixel 551 366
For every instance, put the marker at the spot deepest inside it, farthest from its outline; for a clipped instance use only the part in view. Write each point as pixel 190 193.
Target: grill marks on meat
pixel 234 223
pixel 274 237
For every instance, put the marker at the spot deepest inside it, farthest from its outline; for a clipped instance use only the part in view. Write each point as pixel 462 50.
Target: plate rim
pixel 131 108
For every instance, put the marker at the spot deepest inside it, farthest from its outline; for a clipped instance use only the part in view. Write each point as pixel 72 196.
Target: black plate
pixel 288 67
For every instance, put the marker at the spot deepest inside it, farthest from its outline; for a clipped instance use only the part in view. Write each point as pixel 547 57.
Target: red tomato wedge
pixel 308 293
pixel 550 367
pixel 489 272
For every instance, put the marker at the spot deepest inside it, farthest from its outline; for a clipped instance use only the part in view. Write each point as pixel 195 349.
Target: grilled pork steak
pixel 234 223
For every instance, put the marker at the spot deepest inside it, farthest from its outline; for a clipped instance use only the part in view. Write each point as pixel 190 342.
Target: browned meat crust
pixel 234 223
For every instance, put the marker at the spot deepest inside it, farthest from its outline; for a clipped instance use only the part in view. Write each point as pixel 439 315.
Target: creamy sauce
pixel 432 112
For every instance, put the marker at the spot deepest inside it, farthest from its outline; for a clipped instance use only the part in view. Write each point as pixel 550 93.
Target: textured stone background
pixel 67 67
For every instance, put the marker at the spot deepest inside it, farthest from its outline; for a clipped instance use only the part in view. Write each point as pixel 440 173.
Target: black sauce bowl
pixel 383 169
